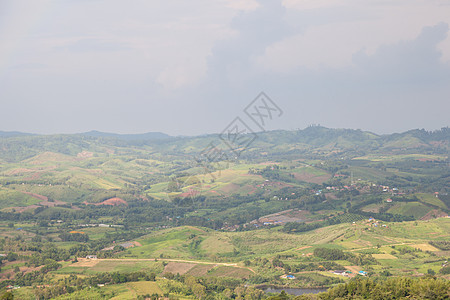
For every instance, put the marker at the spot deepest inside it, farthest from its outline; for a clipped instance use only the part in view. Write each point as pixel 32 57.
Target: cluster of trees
pixel 427 287
pixel 323 266
pixel 211 287
pixel 443 245
pixel 330 254
pixel 74 237
pixel 337 254
pixel 74 283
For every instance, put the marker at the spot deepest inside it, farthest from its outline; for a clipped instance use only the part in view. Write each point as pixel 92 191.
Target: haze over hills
pixel 301 140
pixel 304 208
pixel 138 136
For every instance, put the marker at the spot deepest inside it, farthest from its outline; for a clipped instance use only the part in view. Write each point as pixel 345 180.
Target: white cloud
pixel 332 43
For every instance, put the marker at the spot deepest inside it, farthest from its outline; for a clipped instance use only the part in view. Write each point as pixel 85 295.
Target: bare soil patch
pixel 435 213
pixel 311 178
pixel 83 262
pixel 112 201
pixel 178 267
pixel 200 270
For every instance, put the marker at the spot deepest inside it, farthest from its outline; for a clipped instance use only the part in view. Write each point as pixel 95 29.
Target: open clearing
pixel 178 268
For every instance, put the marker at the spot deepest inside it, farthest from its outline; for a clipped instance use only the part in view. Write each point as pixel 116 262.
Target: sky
pixel 192 67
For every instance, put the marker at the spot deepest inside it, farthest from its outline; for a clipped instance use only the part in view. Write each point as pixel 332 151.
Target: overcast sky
pixel 191 67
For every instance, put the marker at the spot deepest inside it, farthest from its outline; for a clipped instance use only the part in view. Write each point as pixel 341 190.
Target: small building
pixel 340 272
pixel 362 273
pixel 290 276
pixel 91 257
pixel 389 200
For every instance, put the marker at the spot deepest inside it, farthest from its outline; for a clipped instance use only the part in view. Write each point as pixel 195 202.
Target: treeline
pixel 337 254
pixel 211 287
pixel 383 289
pixel 74 283
pixel 443 245
pixel 74 237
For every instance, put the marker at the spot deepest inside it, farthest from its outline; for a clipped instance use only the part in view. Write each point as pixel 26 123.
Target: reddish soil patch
pixel 52 203
pixel 435 213
pixel 85 154
pixel 200 270
pixel 190 193
pixel 112 201
pixel 304 247
pixel 37 196
pixel 33 176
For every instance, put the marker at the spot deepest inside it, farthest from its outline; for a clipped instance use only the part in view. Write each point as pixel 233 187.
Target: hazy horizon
pixel 213 133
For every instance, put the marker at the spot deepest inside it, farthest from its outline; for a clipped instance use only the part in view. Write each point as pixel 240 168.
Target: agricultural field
pixel 107 218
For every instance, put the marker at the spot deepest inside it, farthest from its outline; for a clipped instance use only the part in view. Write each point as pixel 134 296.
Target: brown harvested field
pixel 311 178
pixel 230 188
pixel 178 267
pixel 425 247
pixel 286 216
pixel 225 271
pixel 112 201
pixel 83 262
pixel 200 270
pixel 384 256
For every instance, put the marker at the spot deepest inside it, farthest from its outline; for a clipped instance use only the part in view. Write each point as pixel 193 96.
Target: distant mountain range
pixel 94 133
pixel 139 136
pixel 312 141
pixel 13 133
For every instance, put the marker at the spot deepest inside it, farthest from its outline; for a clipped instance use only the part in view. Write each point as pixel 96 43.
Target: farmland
pixel 131 218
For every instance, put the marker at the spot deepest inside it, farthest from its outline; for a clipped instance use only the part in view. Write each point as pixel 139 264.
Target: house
pixel 340 272
pixel 389 200
pixel 290 276
pixel 91 257
pixel 362 273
